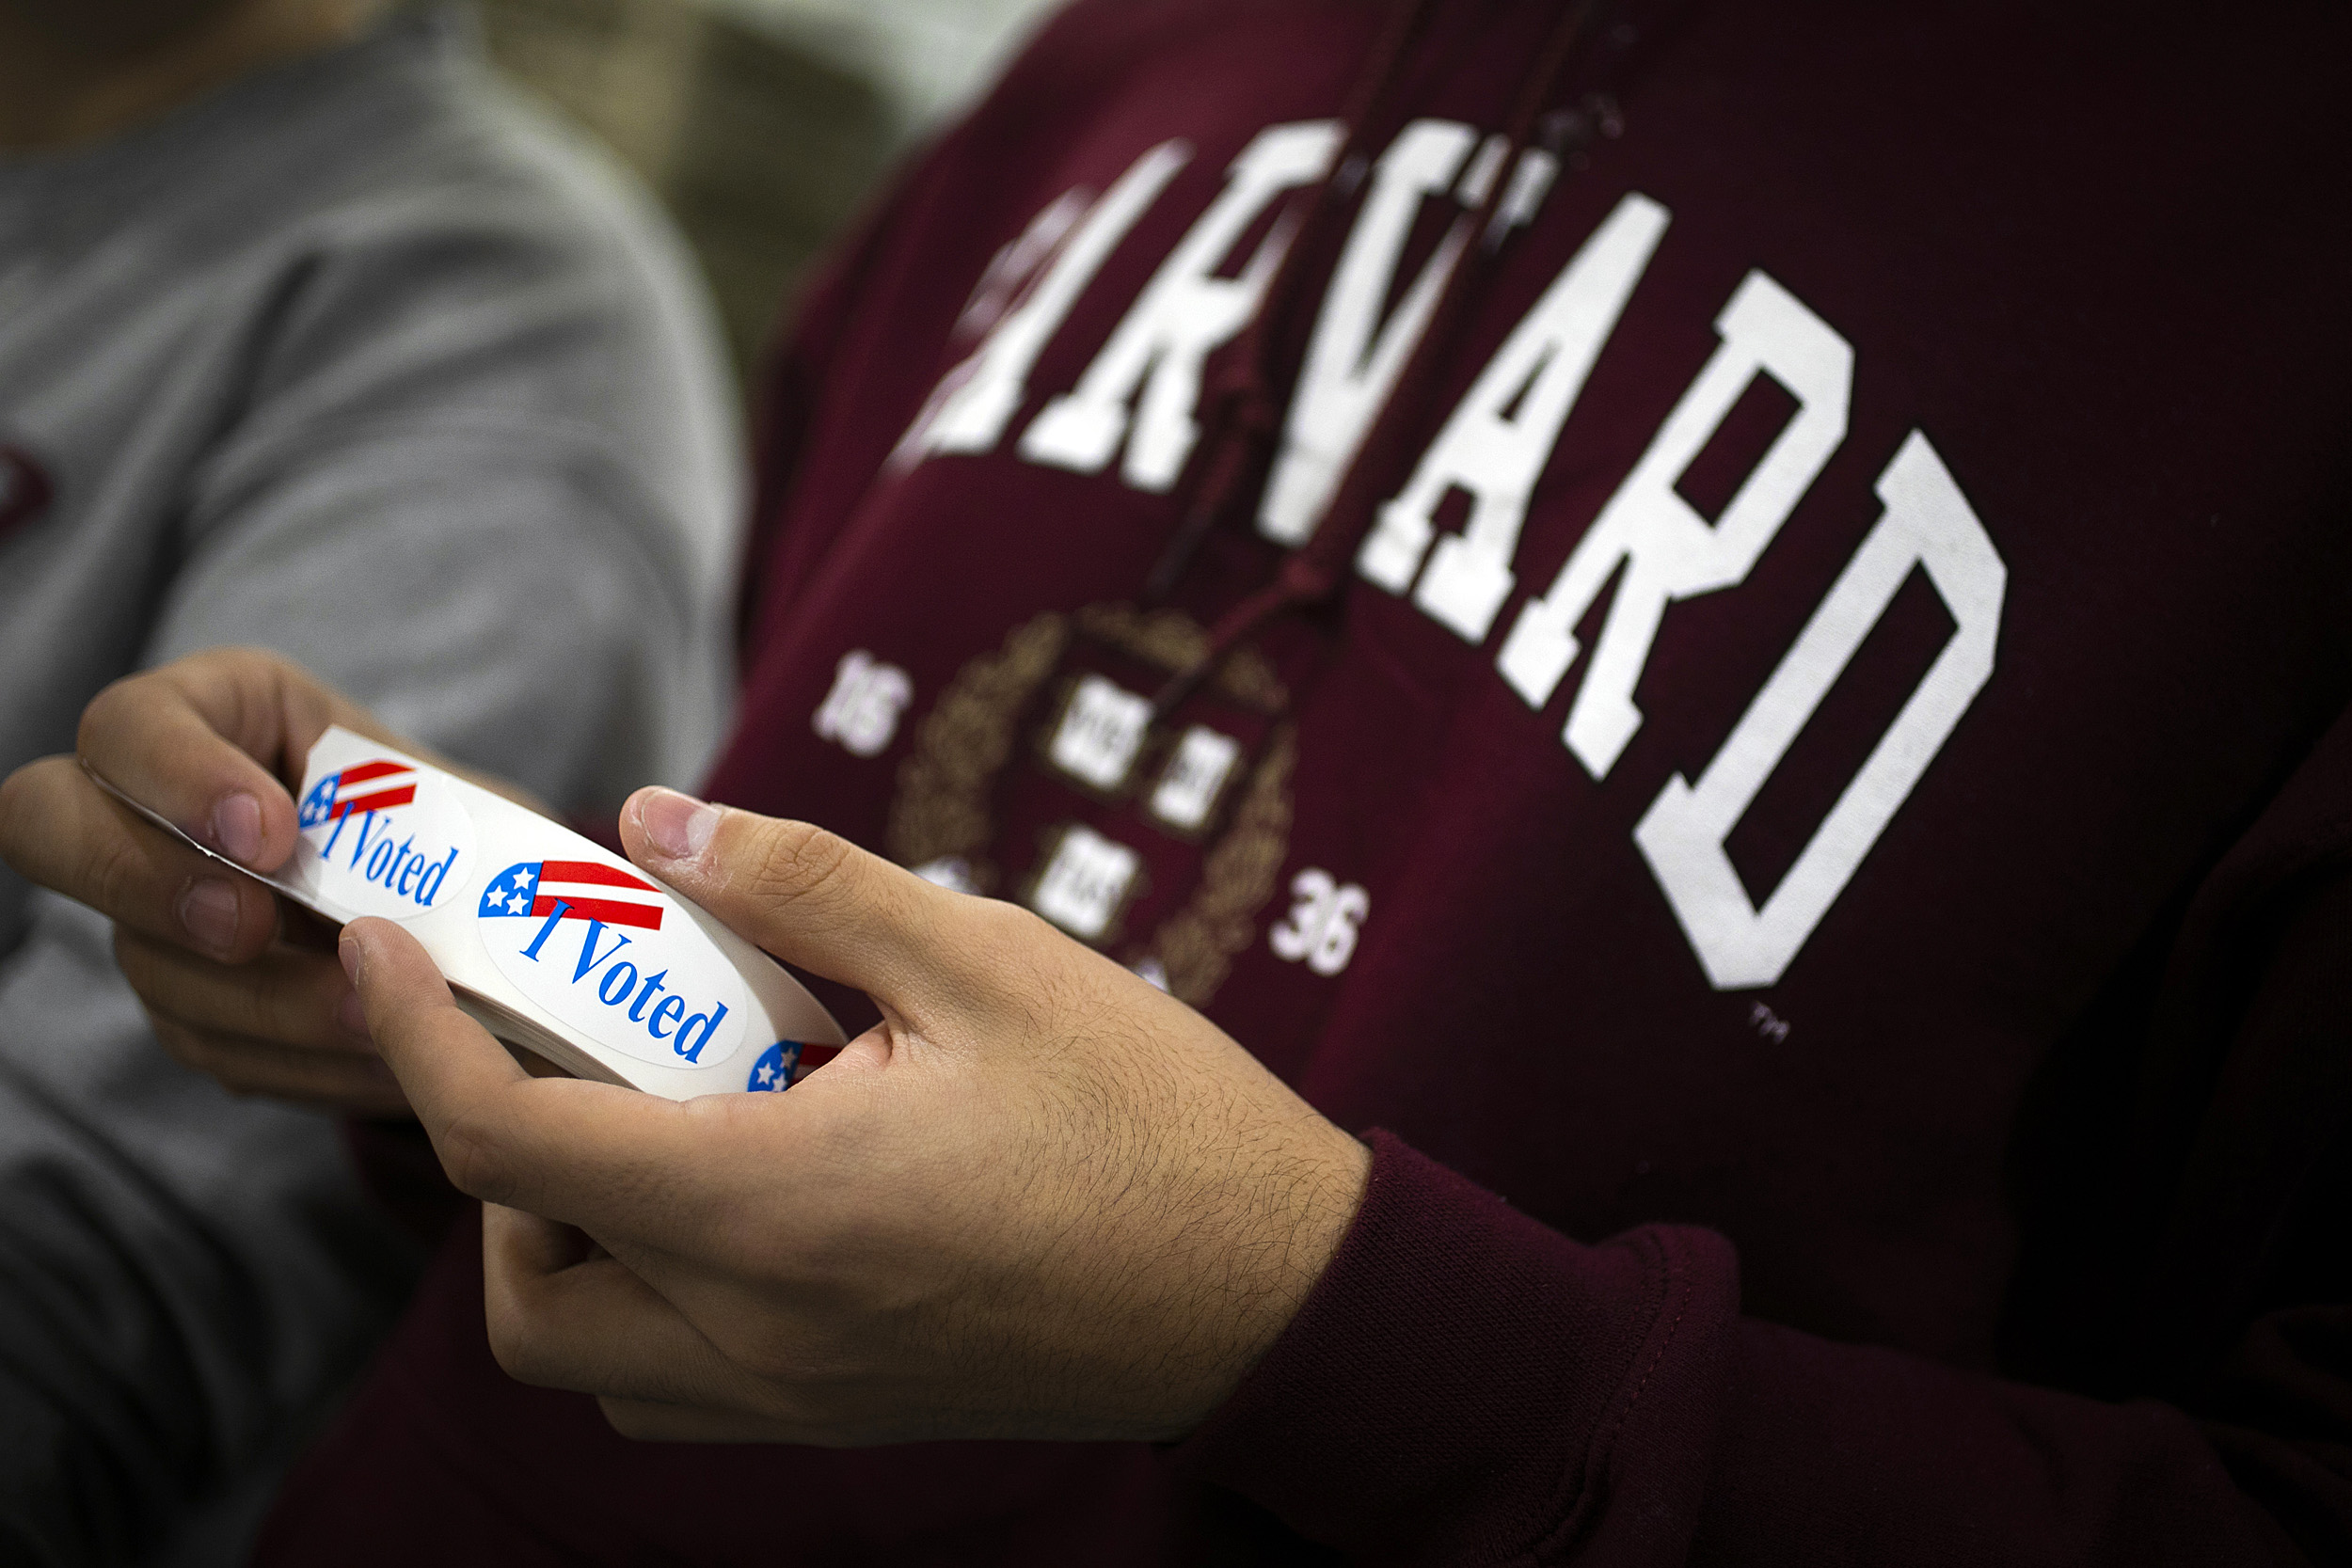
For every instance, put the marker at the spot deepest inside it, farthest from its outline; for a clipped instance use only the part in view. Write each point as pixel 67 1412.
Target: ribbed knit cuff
pixel 1454 1383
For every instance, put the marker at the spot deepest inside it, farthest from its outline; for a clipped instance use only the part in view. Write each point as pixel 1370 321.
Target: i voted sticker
pixel 615 956
pixel 389 839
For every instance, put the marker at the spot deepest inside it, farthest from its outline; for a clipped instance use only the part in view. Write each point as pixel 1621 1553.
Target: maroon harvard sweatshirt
pixel 1802 783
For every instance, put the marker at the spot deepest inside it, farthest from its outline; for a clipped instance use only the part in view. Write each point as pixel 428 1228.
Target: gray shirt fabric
pixel 363 361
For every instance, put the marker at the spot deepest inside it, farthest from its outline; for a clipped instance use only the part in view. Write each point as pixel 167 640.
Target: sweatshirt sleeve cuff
pixel 1462 1378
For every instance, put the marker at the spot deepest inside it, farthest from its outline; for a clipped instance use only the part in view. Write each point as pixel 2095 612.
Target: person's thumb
pixel 810 897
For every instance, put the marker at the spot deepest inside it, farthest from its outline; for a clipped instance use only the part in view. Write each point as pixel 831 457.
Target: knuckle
pixel 265 1002
pixel 1011 949
pixel 800 862
pixel 512 1344
pixel 102 712
pixel 135 957
pixel 113 874
pixel 281 1003
pixel 474 1157
pixel 276 1013
pixel 1007 927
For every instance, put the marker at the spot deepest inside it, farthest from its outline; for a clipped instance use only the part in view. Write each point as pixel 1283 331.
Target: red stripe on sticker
pixel 383 799
pixel 592 871
pixel 367 770
pixel 612 911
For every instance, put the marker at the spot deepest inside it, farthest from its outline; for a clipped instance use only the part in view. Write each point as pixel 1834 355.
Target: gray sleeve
pixel 483 478
pixel 494 592
pixel 487 482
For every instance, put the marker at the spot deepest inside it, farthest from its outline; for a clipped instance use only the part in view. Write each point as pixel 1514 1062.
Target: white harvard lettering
pixel 1928 523
pixel 1153 360
pixel 1142 391
pixel 1348 370
pixel 969 409
pixel 1669 551
pixel 1498 441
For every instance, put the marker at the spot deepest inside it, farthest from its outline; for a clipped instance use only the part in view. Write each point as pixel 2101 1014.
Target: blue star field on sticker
pixel 512 891
pixel 773 1072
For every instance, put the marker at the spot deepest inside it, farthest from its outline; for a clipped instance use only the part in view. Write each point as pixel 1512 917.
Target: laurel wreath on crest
pixel 941 810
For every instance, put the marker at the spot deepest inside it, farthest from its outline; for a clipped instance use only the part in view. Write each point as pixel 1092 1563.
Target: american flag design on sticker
pixel 773 1072
pixel 380 786
pixel 586 890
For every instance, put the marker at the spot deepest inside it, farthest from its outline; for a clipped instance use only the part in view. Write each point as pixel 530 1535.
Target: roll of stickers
pixel 547 940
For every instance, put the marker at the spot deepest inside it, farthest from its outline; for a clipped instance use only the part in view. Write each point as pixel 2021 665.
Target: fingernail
pixel 350 1016
pixel 679 825
pixel 347 949
pixel 237 827
pixel 208 912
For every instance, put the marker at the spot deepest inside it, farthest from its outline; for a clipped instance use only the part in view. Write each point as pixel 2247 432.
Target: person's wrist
pixel 1321 1188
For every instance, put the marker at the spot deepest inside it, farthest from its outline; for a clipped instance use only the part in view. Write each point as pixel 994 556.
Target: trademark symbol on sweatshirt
pixel 1768 1024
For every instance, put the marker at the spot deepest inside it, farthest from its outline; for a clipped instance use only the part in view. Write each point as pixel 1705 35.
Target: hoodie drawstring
pixel 1241 412
pixel 1247 419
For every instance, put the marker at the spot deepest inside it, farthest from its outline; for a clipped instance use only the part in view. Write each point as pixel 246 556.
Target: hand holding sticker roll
pixel 234 985
pixel 177 820
pixel 1040 1199
pixel 550 941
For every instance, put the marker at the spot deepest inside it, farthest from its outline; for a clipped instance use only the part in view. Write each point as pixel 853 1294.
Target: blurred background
pixel 763 124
